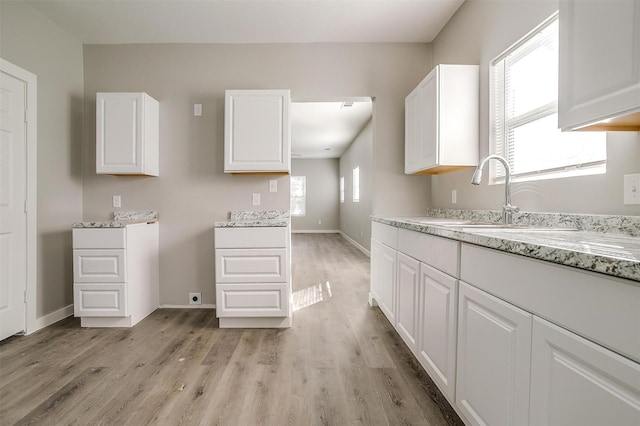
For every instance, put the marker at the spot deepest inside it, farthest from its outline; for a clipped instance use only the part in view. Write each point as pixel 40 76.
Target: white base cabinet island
pixel 115 274
pixel 253 283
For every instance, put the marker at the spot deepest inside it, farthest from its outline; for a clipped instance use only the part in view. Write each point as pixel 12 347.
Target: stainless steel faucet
pixel 507 208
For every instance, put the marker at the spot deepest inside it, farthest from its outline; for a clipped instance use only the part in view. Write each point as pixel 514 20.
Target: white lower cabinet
pixel 383 278
pixel 577 382
pixel 253 284
pixel 408 284
pixel 115 274
pixel 494 358
pixel 437 329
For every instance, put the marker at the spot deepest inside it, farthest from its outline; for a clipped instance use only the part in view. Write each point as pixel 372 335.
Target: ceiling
pixel 249 21
pixel 326 129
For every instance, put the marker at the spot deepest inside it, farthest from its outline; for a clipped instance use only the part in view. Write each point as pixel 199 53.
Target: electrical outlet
pixel 632 189
pixel 117 201
pixel 273 185
pixel 454 196
pixel 195 298
pixel 197 110
pixel 256 198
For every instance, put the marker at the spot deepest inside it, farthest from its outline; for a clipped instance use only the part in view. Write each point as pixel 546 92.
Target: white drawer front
pixel 386 234
pixel 99 266
pixel 99 238
pixel 251 237
pixel 252 300
pixel 250 266
pixel 440 253
pixel 99 300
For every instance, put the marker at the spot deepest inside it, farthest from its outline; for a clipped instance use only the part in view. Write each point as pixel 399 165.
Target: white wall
pixel 322 194
pixel 192 191
pixel 477 33
pixel 34 43
pixel 354 217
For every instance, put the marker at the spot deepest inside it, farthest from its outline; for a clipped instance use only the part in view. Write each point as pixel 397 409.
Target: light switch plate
pixel 197 110
pixel 117 201
pixel 632 189
pixel 256 199
pixel 273 185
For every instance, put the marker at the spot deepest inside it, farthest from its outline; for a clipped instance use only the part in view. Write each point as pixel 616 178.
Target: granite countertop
pixel 259 219
pixel 122 219
pixel 615 254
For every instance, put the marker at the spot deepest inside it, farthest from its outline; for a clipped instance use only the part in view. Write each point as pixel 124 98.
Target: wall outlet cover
pixel 632 189
pixel 195 298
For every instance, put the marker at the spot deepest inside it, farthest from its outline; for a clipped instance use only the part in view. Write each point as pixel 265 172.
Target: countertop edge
pixel 608 265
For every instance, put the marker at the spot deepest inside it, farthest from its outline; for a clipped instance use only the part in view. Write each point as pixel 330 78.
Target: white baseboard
pixel 355 243
pixel 202 306
pixel 315 231
pixel 53 317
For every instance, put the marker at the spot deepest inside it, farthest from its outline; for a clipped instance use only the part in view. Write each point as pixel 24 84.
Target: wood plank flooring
pixel 340 364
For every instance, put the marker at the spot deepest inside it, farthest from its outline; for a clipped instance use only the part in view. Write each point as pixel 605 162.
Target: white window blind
pixel 298 195
pixel 356 184
pixel 524 114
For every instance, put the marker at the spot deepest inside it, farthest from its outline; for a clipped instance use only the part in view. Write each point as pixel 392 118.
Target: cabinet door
pixel 576 382
pixel 127 132
pixel 437 327
pixel 383 278
pixel 257 131
pixel 599 70
pixel 494 359
pixel 407 312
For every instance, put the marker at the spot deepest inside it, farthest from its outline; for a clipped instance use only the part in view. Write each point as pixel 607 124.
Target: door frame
pixel 31 211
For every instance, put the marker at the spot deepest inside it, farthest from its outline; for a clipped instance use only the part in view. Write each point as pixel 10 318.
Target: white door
pixel 12 205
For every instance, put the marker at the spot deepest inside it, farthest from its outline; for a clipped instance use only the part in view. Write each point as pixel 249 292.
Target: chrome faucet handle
pixel 510 208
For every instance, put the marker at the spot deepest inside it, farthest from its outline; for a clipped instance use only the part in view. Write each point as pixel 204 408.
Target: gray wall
pixel 477 33
pixel 192 191
pixel 323 192
pixel 34 43
pixel 354 217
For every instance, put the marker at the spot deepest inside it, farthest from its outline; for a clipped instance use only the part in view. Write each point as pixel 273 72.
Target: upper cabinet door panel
pixel 599 75
pixel 257 128
pixel 127 134
pixel 441 121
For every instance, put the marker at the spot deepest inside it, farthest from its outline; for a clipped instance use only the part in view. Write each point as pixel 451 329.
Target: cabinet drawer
pixel 96 238
pixel 99 300
pixel 251 237
pixel 600 308
pixel 99 266
pixel 386 234
pixel 252 300
pixel 441 253
pixel 251 265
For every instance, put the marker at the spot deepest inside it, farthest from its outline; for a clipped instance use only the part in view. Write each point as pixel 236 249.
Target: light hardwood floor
pixel 340 364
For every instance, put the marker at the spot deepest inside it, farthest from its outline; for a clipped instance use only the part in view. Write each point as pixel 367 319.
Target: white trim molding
pixel 31 81
pixel 202 306
pixel 355 243
pixel 51 318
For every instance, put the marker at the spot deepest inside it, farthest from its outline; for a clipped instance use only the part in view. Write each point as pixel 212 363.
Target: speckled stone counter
pixel 605 244
pixel 121 219
pixel 259 219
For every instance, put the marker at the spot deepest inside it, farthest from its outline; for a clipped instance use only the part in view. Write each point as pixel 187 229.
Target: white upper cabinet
pixel 441 121
pixel 257 131
pixel 127 134
pixel 599 74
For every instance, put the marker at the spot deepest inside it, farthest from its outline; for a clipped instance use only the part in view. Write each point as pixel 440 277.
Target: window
pixel 342 189
pixel 298 195
pixel 524 114
pixel 356 184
